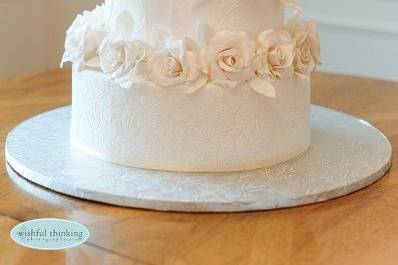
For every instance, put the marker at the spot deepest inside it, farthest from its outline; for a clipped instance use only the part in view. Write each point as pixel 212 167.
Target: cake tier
pixel 214 130
pixel 180 17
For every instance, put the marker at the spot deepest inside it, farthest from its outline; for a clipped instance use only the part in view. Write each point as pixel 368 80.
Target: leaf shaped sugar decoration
pixel 114 8
pixel 204 33
pixel 124 25
pixel 263 87
pixel 193 86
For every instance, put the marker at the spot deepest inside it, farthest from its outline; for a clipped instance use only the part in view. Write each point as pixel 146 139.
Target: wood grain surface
pixel 361 228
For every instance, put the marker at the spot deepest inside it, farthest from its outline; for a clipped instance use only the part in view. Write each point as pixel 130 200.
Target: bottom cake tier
pixel 215 129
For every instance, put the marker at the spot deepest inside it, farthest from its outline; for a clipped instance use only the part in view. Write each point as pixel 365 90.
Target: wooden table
pixel 361 228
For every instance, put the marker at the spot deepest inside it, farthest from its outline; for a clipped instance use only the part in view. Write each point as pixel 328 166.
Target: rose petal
pixel 264 37
pixel 93 62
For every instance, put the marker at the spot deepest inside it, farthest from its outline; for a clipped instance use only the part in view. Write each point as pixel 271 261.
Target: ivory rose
pixel 275 56
pixel 274 61
pixel 84 37
pixel 307 46
pixel 122 59
pixel 121 56
pixel 176 63
pixel 228 55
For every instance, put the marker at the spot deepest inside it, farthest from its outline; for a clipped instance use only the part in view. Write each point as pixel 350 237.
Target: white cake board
pixel 347 154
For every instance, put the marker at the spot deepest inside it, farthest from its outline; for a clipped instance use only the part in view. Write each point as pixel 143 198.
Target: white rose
pixel 274 61
pixel 176 63
pixel 120 56
pixel 83 38
pixel 307 50
pixel 228 55
pixel 122 59
pixel 275 56
pixel 303 63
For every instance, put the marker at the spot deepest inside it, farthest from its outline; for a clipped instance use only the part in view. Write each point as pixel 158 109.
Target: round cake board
pixel 346 154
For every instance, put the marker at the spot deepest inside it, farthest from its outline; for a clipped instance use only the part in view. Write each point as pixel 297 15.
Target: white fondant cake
pixel 191 85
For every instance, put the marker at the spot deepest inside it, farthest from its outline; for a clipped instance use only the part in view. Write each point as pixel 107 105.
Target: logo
pixel 50 234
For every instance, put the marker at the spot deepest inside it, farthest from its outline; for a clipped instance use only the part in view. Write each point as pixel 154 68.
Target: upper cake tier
pixel 179 17
pixel 192 44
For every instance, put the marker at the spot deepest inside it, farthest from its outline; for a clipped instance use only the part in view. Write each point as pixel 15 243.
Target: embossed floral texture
pixel 222 58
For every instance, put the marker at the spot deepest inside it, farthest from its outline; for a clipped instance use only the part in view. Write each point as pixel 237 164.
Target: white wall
pixel 32 32
pixel 359 37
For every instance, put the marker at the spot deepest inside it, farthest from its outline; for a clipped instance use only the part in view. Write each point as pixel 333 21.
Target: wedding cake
pixel 192 85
